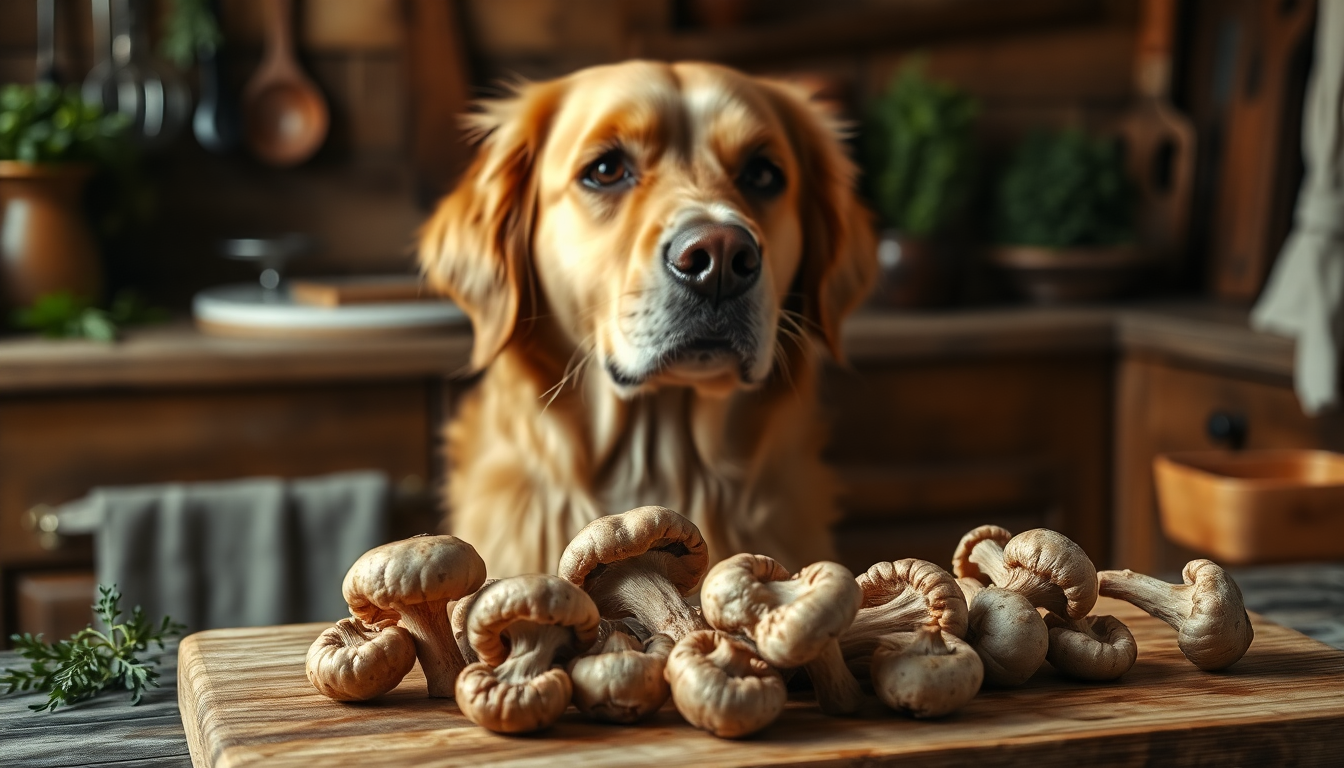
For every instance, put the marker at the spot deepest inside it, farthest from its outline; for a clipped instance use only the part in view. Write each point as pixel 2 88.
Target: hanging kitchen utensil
pixel 1159 142
pixel 215 122
pixel 284 115
pixel 46 41
pixel 147 92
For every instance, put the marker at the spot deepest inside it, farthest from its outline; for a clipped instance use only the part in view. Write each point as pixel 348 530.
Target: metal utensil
pixel 46 41
pixel 132 82
pixel 285 117
pixel 271 254
pixel 215 122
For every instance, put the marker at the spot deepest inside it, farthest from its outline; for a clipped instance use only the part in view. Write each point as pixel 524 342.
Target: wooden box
pixel 1254 506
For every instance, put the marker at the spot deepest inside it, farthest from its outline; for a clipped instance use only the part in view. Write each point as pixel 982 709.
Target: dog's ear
pixel 476 247
pixel 839 260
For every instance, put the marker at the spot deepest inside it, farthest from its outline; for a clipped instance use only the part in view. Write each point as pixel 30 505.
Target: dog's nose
pixel 718 261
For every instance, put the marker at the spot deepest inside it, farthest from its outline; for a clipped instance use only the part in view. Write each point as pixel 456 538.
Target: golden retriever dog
pixel 647 253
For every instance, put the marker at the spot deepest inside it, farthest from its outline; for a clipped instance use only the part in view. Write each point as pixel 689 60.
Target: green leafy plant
pixel 919 152
pixel 92 661
pixel 62 316
pixel 1063 189
pixel 191 30
pixel 44 124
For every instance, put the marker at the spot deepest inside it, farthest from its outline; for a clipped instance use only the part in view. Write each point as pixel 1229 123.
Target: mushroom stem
pixel 838 692
pixel 639 587
pixel 988 555
pixel 440 659
pixel 735 659
pixel 1157 598
pixel 532 649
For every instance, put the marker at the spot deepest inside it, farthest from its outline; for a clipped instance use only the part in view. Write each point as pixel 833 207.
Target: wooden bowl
pixel 1243 507
pixel 1071 275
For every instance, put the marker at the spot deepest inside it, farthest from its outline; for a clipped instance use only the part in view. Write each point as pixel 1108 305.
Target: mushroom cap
pixel 623 681
pixel 791 619
pixel 619 537
pixel 721 686
pixel 505 707
pixel 1045 554
pixel 910 678
pixel 961 558
pixel 1104 651
pixel 346 663
pixel 885 582
pixel 1009 635
pixel 1218 630
pixel 421 569
pixel 537 598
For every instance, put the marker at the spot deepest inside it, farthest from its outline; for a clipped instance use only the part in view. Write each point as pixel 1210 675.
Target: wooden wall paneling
pixel 931 449
pixel 326 25
pixel 438 81
pixel 1260 145
pixel 56 604
pixel 1163 407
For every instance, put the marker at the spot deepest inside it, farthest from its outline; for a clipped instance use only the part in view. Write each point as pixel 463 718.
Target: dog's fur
pixel 593 398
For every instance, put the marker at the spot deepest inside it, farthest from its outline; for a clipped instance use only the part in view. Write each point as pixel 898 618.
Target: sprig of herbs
pixel 91 661
pixel 62 316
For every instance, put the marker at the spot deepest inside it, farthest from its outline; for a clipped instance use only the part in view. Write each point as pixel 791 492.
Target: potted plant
pixel 1064 219
pixel 51 142
pixel 919 155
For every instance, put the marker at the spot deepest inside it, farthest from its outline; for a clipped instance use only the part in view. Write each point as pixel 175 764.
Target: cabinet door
pixel 926 451
pixel 55 448
pixel 1162 408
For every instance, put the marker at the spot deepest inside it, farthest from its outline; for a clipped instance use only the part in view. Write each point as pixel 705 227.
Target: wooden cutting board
pixel 245 701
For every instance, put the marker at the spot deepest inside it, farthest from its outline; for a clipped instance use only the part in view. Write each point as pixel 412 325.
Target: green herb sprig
pixel 91 661
pixel 62 316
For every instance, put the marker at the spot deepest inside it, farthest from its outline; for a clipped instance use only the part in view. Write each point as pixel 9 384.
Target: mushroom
pixel 1047 567
pixel 1093 648
pixel 641 564
pixel 926 673
pixel 1006 631
pixel 794 621
pixel 412 581
pixel 901 596
pixel 719 685
pixel 621 681
pixel 354 662
pixel 1207 612
pixel 517 627
pixel 458 621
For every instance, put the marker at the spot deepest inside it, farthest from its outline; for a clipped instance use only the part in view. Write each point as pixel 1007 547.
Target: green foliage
pixel 191 29
pixel 1064 189
pixel 62 316
pixel 919 152
pixel 44 124
pixel 91 661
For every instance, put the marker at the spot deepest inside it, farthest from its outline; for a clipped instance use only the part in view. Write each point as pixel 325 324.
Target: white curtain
pixel 1305 294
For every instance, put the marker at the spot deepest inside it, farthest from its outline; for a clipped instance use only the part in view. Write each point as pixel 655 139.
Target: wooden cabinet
pixel 1164 404
pixel 928 449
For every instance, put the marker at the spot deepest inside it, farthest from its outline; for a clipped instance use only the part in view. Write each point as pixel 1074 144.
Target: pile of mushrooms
pixel 615 631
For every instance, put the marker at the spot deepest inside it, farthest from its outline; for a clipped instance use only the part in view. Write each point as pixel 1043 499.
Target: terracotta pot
pixel 1072 275
pixel 914 272
pixel 45 243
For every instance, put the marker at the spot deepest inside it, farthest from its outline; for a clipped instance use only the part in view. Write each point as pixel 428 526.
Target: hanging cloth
pixel 1305 295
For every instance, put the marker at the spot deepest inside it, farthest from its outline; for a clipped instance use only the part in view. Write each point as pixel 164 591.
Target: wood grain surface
pixel 245 701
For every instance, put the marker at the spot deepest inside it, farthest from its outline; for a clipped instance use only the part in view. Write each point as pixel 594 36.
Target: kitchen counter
pixel 177 354
pixel 1308 598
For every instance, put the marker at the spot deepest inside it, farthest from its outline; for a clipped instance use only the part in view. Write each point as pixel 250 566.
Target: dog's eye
pixel 762 177
pixel 608 172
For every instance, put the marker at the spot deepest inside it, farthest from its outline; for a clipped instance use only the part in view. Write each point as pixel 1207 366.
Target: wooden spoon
pixel 285 117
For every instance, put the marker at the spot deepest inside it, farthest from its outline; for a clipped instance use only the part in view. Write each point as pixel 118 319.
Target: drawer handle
pixel 1227 428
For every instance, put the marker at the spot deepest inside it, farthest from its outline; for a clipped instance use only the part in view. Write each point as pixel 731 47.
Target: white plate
pixel 248 308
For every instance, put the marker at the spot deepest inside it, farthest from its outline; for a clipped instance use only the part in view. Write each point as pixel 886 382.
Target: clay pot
pixel 1072 275
pixel 914 272
pixel 46 245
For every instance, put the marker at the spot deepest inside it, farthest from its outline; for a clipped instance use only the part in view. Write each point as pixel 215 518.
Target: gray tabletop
pixel 109 731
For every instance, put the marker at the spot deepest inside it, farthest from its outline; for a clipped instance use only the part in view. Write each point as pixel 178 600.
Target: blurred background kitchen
pixel 1102 233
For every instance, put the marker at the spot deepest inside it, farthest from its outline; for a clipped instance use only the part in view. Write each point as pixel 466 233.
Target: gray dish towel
pixel 240 553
